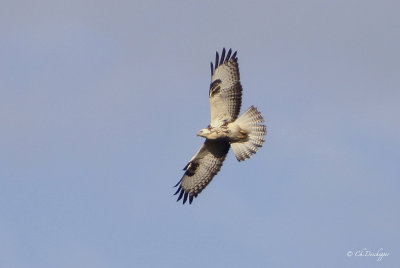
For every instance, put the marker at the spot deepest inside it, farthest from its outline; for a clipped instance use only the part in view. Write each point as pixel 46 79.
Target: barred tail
pixel 250 123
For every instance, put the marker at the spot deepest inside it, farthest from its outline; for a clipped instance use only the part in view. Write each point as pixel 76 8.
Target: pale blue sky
pixel 100 103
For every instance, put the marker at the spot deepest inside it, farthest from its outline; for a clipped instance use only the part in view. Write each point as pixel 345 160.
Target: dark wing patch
pixel 191 168
pixel 201 169
pixel 215 87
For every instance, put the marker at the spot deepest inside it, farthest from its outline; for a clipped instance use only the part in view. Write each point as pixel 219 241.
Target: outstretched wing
pixel 201 169
pixel 225 89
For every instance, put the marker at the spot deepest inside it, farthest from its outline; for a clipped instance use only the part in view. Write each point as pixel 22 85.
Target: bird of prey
pixel 244 134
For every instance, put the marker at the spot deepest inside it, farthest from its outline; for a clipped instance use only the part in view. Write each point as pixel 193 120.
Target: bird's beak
pixel 200 133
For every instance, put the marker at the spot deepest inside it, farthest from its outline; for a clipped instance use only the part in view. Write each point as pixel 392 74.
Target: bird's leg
pixel 243 134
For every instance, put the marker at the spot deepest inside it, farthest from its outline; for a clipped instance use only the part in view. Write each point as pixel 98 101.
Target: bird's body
pixel 244 134
pixel 230 132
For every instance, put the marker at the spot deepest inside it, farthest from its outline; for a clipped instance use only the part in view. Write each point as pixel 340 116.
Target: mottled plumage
pixel 225 89
pixel 245 134
pixel 200 170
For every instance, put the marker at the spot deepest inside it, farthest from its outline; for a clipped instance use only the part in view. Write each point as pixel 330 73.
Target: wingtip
pixel 225 57
pixel 178 183
pixel 185 198
pixel 228 56
pixel 216 60
pixel 185 195
pixel 177 191
pixel 234 55
pixel 222 57
pixel 180 195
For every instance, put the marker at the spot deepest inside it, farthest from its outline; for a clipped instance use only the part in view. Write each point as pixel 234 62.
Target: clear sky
pixel 100 103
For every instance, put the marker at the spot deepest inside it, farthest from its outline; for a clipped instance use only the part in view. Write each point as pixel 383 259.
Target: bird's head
pixel 204 132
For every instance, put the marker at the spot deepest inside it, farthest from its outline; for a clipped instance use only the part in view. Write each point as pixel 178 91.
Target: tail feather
pixel 250 122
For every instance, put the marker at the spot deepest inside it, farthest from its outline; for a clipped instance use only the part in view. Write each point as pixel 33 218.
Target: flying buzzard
pixel 245 134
